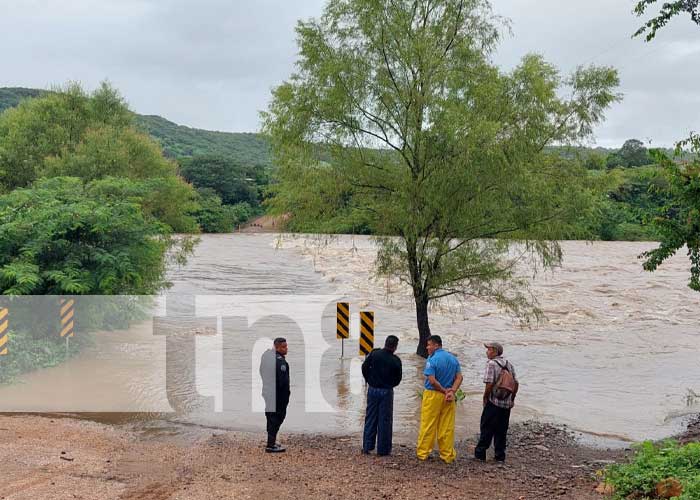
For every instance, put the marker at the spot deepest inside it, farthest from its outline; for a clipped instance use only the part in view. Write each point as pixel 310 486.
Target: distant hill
pixel 11 96
pixel 178 141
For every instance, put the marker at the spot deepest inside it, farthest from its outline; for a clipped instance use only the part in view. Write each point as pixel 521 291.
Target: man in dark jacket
pixel 274 371
pixel 382 372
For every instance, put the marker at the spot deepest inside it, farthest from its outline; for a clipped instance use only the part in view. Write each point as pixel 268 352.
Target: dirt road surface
pixel 63 458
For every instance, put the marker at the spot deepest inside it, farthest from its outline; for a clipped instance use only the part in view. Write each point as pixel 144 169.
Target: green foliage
pixel 668 11
pixel 179 141
pixel 594 161
pixel 167 199
pixel 58 238
pixel 70 133
pixel 27 353
pixel 214 217
pixel 653 463
pixel 109 151
pixel 397 111
pixel 53 125
pixel 12 96
pixel 233 182
pixel 678 220
pixel 631 195
pixel 633 153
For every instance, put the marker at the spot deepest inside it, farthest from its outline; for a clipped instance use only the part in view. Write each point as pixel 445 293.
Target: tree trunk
pixel 423 325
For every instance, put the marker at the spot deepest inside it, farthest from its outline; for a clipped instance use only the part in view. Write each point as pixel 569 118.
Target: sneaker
pixel 275 449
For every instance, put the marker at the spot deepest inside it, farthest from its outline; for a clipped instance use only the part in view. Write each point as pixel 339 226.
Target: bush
pixel 653 463
pixel 212 216
pixel 27 353
pixel 233 182
pixel 53 125
pixel 56 238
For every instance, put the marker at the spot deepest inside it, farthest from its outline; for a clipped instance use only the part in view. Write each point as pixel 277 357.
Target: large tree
pixel 634 153
pixel 397 111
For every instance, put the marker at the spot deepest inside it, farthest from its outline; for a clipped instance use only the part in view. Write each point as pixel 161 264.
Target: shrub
pixel 653 463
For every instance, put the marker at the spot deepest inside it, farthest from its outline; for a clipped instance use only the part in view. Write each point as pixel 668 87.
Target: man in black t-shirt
pixel 382 372
pixel 274 371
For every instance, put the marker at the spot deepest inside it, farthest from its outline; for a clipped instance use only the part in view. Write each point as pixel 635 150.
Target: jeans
pixel 378 420
pixel 494 426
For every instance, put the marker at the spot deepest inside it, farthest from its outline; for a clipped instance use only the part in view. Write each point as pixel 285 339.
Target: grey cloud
pixel 212 63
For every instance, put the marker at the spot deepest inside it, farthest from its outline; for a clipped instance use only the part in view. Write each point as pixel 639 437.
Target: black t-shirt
pixel 382 369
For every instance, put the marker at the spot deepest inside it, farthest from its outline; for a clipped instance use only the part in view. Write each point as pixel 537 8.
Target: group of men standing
pixel 382 370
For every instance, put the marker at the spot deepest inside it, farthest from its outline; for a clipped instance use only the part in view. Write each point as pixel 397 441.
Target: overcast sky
pixel 212 63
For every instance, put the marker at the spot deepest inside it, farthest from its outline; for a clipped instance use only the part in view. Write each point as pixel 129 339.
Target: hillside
pixel 11 96
pixel 178 141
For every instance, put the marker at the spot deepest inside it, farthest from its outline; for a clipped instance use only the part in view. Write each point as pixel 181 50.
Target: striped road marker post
pixel 4 324
pixel 366 332
pixel 67 320
pixel 342 324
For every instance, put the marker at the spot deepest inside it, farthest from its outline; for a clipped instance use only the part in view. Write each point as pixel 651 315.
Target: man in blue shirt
pixel 443 377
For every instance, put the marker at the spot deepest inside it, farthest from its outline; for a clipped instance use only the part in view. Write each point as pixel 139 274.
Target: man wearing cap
pixel 274 371
pixel 496 414
pixel 382 372
pixel 437 417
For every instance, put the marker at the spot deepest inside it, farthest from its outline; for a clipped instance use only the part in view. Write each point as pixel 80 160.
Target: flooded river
pixel 617 356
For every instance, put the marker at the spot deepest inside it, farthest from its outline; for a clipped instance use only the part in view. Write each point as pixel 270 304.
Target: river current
pixel 617 356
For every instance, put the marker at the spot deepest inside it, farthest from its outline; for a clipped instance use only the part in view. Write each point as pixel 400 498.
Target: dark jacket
pixel 382 369
pixel 274 371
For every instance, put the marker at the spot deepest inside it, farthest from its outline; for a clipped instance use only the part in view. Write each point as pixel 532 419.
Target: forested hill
pixel 11 96
pixel 178 141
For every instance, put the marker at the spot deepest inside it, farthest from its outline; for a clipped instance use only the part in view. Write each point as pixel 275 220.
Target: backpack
pixel 505 385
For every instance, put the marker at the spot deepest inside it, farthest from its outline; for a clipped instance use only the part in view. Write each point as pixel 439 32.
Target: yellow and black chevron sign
pixel 366 332
pixel 4 322
pixel 342 327
pixel 67 313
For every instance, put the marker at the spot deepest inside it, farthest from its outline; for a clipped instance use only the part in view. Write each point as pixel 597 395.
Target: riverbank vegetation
pixel 88 206
pixel 198 155
pixel 678 220
pixel 629 178
pixel 664 470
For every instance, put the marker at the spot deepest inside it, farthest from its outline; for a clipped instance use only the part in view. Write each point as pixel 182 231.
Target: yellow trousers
pixel 437 421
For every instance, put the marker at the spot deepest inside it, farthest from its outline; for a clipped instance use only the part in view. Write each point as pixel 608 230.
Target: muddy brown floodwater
pixel 615 359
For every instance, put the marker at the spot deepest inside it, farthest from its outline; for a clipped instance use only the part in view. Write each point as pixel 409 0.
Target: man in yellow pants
pixel 437 421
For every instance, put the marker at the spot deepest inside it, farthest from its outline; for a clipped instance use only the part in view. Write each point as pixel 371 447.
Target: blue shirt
pixel 444 367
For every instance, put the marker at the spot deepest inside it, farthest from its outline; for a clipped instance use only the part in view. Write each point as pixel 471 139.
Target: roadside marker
pixel 67 322
pixel 342 324
pixel 366 332
pixel 4 323
pixel 342 330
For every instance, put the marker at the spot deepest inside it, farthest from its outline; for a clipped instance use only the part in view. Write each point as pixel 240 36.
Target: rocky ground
pixel 693 432
pixel 60 458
